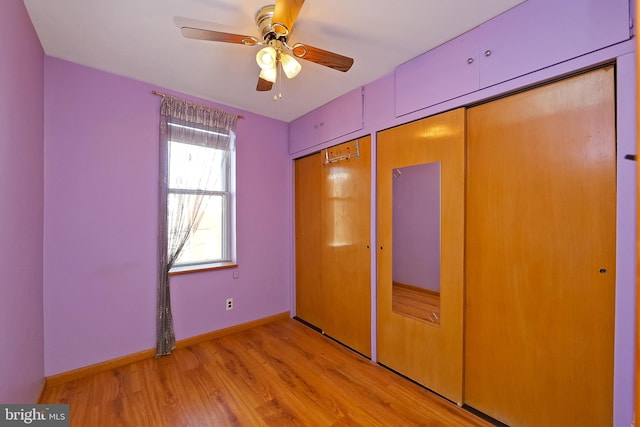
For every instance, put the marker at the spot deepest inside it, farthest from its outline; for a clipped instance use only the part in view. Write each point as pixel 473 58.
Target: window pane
pixel 207 243
pixel 189 164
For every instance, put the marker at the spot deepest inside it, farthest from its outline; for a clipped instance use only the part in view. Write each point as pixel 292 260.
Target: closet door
pixel 540 254
pixel 346 230
pixel 420 251
pixel 333 258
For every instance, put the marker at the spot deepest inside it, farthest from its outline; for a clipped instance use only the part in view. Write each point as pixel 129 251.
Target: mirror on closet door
pixel 416 242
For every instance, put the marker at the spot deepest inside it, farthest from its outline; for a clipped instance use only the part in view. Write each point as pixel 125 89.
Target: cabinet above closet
pixel 534 35
pixel 337 118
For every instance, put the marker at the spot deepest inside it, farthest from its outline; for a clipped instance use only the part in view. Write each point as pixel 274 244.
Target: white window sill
pixel 183 269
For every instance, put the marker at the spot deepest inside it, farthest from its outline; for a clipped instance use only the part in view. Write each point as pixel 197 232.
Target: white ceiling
pixel 140 39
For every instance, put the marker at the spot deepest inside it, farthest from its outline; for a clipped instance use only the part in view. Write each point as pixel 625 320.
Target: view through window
pixel 201 175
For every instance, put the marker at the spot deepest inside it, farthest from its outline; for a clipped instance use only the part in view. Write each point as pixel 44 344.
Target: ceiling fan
pixel 275 23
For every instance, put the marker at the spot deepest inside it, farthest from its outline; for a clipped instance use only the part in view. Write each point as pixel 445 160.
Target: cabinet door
pixel 540 254
pixel 541 33
pixel 443 73
pixel 335 119
pixel 341 116
pixel 303 132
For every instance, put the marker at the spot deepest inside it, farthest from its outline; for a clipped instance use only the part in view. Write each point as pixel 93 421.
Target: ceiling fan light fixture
pixel 276 56
pixel 290 66
pixel 269 74
pixel 266 57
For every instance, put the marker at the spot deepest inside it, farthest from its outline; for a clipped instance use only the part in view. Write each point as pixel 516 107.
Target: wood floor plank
pixel 279 374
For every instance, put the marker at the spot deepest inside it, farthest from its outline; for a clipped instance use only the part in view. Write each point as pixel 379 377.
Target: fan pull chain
pixel 278 82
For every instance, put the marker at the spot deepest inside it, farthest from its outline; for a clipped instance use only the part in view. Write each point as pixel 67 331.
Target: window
pixel 199 187
pixel 195 204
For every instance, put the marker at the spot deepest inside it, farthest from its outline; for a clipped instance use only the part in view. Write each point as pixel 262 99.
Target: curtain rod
pixel 155 92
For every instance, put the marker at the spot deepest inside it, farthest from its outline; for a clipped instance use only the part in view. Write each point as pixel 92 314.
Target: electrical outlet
pixel 229 303
pixel 236 274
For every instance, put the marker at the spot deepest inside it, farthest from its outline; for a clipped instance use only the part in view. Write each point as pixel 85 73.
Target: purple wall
pixel 21 206
pixel 627 227
pixel 99 164
pixel 416 226
pixel 100 223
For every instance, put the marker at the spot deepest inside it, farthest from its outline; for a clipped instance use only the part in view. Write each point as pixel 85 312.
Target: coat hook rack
pixel 330 157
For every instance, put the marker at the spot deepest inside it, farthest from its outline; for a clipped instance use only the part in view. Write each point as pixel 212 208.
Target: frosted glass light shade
pixel 269 74
pixel 266 57
pixel 290 66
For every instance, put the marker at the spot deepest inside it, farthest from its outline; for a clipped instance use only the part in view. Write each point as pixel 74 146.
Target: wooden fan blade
pixel 284 15
pixel 264 85
pixel 322 57
pixel 217 36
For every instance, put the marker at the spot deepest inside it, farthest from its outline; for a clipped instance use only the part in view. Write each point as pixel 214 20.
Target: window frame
pixel 228 211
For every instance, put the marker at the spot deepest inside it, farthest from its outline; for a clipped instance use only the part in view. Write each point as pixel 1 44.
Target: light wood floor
pixel 279 374
pixel 415 302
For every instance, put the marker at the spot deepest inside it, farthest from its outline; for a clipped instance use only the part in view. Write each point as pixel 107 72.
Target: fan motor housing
pixel 268 30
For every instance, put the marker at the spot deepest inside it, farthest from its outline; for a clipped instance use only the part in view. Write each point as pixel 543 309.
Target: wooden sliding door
pixel 420 266
pixel 333 279
pixel 540 254
pixel 308 213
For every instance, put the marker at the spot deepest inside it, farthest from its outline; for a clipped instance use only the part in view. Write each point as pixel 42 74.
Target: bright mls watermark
pixel 34 415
